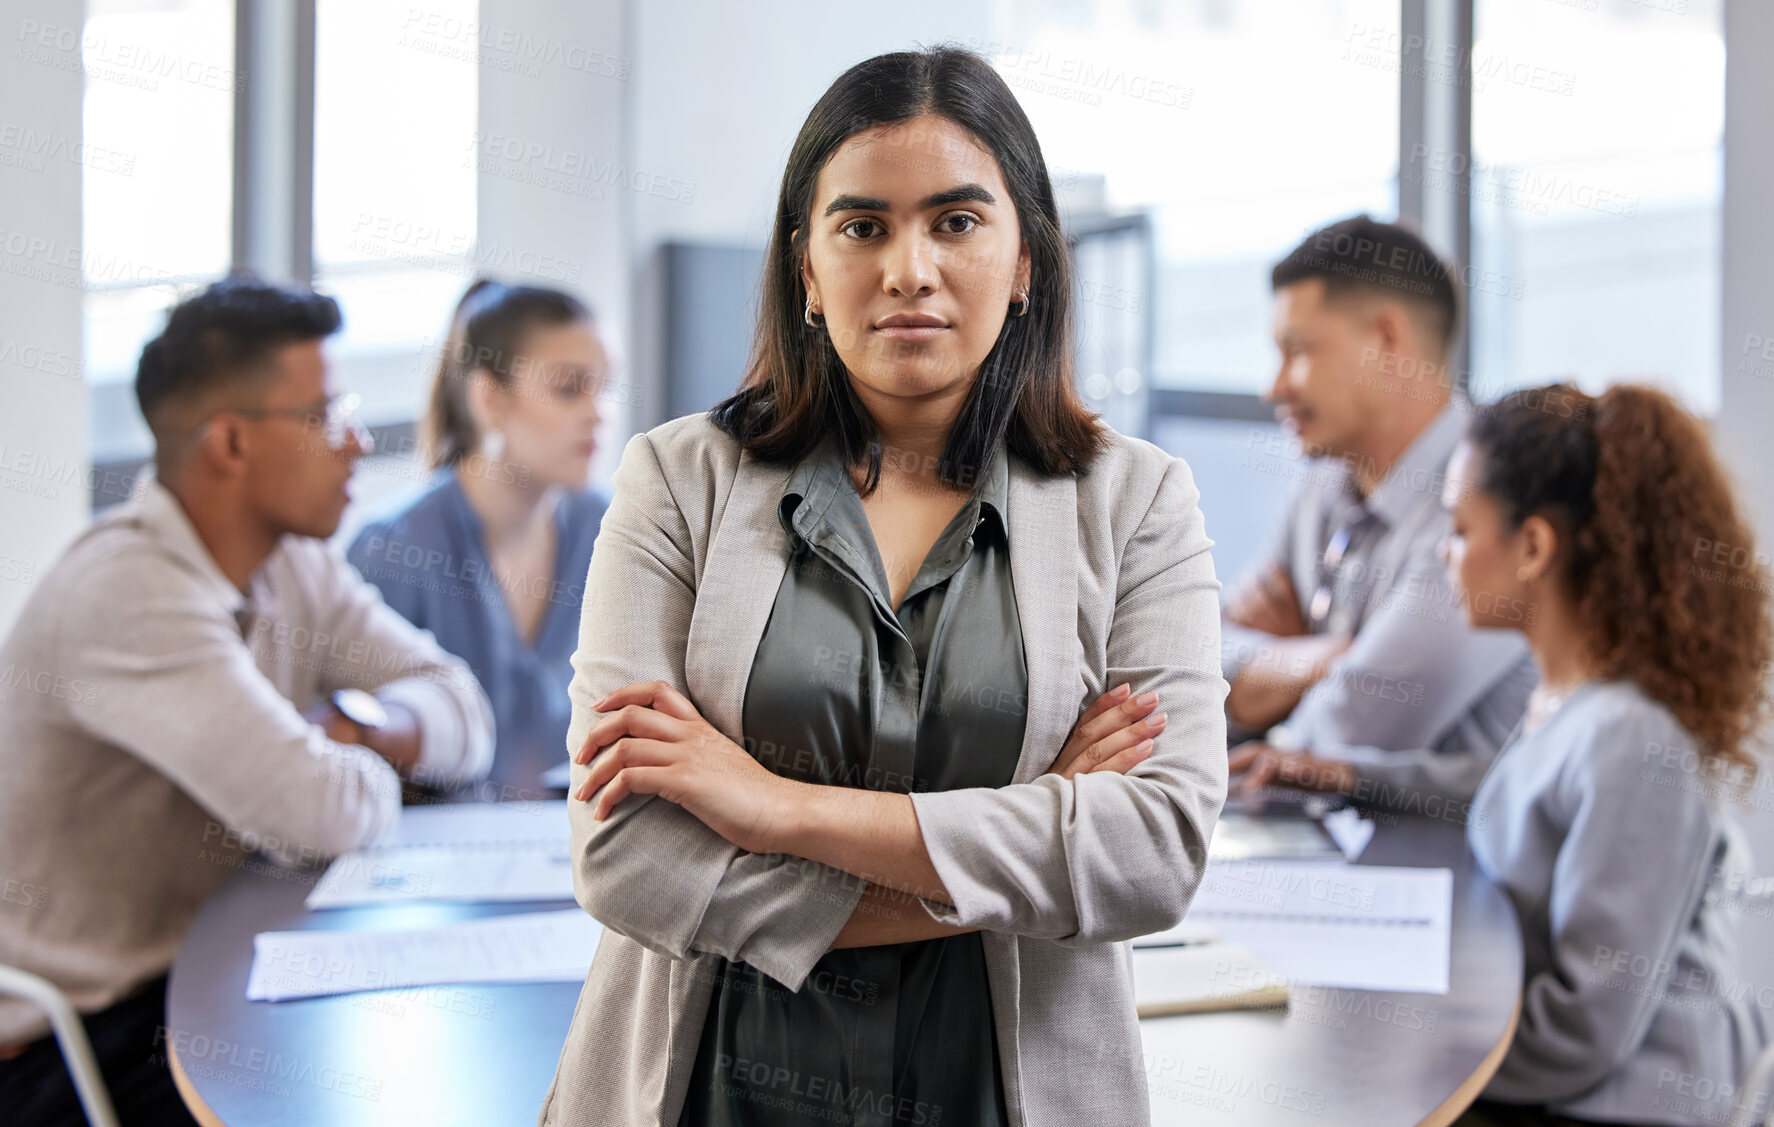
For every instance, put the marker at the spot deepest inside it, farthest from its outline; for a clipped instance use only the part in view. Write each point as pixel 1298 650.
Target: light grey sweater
pixel 1616 850
pixel 148 748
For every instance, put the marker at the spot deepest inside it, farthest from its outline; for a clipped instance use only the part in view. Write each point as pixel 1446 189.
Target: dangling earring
pixel 807 315
pixel 492 444
pixel 1024 299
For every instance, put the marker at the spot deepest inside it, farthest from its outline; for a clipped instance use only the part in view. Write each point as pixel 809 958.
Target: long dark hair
pixel 796 389
pixel 487 333
pixel 1632 485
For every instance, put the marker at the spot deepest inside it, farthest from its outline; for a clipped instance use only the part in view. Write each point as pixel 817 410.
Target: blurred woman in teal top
pixel 492 558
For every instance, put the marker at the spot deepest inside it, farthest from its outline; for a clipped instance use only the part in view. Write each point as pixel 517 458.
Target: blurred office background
pixel 1602 170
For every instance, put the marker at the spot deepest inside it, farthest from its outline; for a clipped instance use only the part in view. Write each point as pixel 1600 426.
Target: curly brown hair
pixel 1662 565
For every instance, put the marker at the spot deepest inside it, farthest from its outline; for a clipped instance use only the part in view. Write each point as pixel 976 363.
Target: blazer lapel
pixel 747 559
pixel 1043 522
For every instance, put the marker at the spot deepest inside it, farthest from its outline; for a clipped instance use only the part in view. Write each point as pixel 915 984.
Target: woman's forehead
pixel 898 162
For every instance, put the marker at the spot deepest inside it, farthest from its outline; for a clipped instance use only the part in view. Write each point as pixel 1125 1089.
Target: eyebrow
pixel 951 195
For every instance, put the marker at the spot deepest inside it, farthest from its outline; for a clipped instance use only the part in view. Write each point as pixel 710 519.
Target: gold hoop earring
pixel 807 315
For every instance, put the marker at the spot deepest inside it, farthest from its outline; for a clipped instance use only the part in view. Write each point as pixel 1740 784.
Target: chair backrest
pixel 89 1084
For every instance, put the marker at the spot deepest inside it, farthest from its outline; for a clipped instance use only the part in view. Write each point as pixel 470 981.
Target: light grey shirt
pixel 151 739
pixel 1420 701
pixel 1621 861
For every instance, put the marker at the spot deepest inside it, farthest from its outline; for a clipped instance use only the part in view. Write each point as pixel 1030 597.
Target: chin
pixel 321 525
pixel 912 382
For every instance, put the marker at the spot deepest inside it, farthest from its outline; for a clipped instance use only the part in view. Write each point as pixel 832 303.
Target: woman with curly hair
pixel 1591 525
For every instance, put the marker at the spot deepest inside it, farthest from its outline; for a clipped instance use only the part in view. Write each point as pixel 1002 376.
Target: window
pixel 1596 133
pixel 1238 127
pixel 157 178
pixel 395 107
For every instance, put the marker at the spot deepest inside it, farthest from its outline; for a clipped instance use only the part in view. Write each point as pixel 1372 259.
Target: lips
pixel 911 328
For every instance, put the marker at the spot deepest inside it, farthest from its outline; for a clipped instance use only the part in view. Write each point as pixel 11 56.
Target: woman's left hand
pixel 1263 766
pixel 651 740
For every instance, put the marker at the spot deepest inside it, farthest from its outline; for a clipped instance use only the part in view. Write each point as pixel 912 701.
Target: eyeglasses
pixel 338 420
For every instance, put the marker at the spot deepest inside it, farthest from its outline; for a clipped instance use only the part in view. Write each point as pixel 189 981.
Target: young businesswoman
pixel 1592 526
pixel 492 559
pixel 857 854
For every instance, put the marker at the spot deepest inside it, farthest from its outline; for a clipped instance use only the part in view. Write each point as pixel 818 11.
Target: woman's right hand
pixel 1113 734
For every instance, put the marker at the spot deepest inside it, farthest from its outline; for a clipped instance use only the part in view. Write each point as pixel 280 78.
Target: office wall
pixel 555 177
pixel 43 394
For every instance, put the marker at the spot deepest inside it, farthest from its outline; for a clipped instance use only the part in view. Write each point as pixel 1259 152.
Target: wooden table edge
pixel 1462 1097
pixel 194 1102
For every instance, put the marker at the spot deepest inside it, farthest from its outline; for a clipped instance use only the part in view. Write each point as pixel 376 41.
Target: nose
pixel 1278 384
pixel 910 269
pixel 359 442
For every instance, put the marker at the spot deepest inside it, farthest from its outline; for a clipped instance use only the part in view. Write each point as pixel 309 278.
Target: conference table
pixel 483 1055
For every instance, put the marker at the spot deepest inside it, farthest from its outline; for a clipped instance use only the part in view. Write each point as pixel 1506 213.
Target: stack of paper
pixel 1364 927
pixel 467 851
pixel 531 947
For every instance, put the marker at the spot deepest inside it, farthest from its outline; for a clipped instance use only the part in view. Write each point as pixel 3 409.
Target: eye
pixel 849 228
pixel 947 223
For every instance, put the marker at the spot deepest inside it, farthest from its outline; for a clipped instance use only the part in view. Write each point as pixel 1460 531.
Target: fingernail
pixel 1148 698
pixel 598 704
pixel 1144 747
pixel 1156 722
pixel 1122 690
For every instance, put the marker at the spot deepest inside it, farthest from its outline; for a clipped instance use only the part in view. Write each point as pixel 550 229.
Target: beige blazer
pixel 1113 582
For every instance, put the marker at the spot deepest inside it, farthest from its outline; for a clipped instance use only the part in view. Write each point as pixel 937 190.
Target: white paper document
pixel 529 947
pixel 1364 927
pixel 464 851
pixel 1350 831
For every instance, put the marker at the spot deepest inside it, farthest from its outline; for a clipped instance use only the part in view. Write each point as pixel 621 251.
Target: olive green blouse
pixel 845 691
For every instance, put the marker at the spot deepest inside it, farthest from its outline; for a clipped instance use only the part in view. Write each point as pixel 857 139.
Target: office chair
pixel 70 1035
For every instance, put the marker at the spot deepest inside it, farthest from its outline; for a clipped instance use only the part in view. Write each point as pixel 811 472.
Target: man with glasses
pixel 198 679
pixel 1346 637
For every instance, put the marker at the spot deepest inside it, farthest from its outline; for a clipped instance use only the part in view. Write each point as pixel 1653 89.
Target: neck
pixel 236 540
pixel 509 510
pixel 1560 648
pixel 1391 435
pixel 914 432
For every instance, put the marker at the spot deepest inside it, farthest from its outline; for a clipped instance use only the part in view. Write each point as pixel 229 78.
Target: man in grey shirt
pixel 1346 638
pixel 201 678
